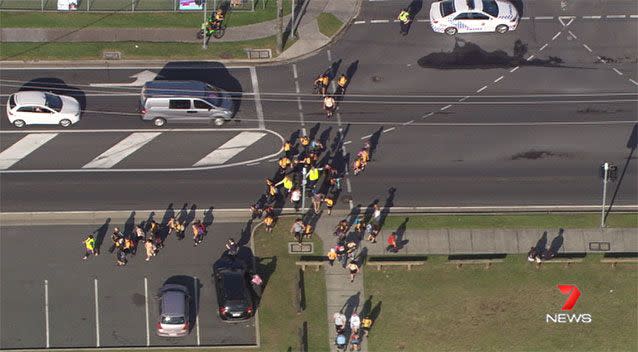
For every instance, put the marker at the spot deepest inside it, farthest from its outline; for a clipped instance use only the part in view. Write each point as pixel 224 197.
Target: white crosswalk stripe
pixel 231 148
pixel 23 147
pixel 121 150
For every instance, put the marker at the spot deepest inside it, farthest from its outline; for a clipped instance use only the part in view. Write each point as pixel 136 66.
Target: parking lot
pixel 51 298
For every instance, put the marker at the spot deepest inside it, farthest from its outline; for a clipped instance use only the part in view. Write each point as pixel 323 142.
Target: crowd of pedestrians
pixel 358 328
pixel 150 235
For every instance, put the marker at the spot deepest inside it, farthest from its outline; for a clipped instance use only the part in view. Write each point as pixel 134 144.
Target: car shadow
pixel 57 86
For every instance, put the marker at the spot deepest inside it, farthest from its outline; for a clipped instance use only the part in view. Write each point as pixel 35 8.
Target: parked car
pixel 465 16
pixel 234 295
pixel 185 101
pixel 42 108
pixel 174 307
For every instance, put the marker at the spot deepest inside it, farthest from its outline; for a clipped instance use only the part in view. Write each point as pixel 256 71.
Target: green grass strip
pixel 132 50
pixel 328 24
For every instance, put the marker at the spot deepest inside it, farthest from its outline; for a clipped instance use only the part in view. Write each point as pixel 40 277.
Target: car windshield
pixel 447 7
pixel 214 96
pixel 173 320
pixel 53 101
pixel 490 7
pixel 12 101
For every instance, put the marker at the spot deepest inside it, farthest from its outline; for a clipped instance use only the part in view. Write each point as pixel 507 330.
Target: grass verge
pixel 328 24
pixel 132 50
pixel 518 221
pixel 134 20
pixel 279 320
pixel 503 308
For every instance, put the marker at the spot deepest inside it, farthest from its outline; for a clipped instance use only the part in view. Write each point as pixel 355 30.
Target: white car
pixel 465 16
pixel 42 108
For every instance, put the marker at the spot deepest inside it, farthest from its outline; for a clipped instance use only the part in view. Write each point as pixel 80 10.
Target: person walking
pixel 332 255
pixel 340 322
pixel 150 248
pixel 313 176
pixel 89 246
pixel 376 214
pixel 295 198
pixel 121 257
pixel 354 269
pixel 317 199
pixel 366 324
pixel 256 283
pixel 330 202
pixel 355 341
pixel 115 238
pixel 355 322
pixel 392 243
pixel 269 220
pixel 199 229
pixel 405 19
pixel 297 229
pixel 341 254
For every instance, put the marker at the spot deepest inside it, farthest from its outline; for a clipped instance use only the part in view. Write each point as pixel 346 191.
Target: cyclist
pixel 321 84
pixel 218 18
pixel 342 83
pixel 329 105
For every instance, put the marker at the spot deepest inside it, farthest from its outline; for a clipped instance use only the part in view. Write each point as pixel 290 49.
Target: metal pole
pixel 280 26
pixel 42 5
pixel 204 40
pixel 292 19
pixel 132 5
pixel 174 5
pixel 602 211
pixel 303 189
pixel 88 5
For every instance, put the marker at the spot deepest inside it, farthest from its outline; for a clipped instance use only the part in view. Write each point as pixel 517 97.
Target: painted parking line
pixel 25 146
pixel 46 313
pixel 121 150
pixel 195 285
pixel 97 316
pixel 148 328
pixel 231 148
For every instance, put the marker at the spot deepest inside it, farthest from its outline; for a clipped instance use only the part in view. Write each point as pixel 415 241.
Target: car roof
pixel 468 5
pixel 173 300
pixel 176 88
pixel 29 98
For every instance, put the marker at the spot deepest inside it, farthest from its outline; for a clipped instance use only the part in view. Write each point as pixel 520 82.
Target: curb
pixel 98 217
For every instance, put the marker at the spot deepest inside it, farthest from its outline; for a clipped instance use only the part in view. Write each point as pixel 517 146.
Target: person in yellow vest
pixel 271 190
pixel 332 256
pixel 405 19
pixel 314 173
pixel 287 182
pixel 284 163
pixel 366 324
pixel 321 84
pixel 89 246
pixel 308 230
pixel 329 203
pixel 287 148
pixel 269 221
pixel 304 141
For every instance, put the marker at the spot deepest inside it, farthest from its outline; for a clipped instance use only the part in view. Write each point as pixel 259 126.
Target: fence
pixel 126 5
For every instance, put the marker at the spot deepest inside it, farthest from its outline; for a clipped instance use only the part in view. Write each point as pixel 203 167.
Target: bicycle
pixel 208 31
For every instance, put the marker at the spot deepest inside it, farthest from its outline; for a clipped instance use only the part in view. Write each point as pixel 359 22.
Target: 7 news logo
pixel 573 294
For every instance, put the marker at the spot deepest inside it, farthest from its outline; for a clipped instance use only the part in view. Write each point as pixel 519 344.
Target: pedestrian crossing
pixel 118 151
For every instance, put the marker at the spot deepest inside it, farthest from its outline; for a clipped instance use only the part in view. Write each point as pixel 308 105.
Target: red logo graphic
pixel 573 293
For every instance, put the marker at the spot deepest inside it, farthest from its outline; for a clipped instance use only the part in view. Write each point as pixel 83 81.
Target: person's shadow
pixel 208 217
pixel 541 244
pixel 557 242
pixel 389 203
pixel 632 143
pixel 129 224
pixel 100 233
pixel 168 214
pixel 400 232
pixel 351 305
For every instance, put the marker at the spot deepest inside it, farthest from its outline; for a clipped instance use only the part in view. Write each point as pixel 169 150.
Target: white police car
pixel 466 16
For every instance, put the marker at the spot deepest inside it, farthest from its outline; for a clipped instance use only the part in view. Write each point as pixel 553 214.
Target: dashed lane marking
pixel 530 58
pixel 587 47
pixel 543 47
pixel 514 69
pixel 481 89
pixel 379 21
pixel 428 114
pixel 592 17
pixel 498 79
pixel 616 16
pixel 407 123
pixel 464 98
pixel 544 17
pixel 572 34
pixel 557 35
pixel 525 18
pixel 634 82
pixel 359 22
pixel 446 107
pixel 389 129
pixel 617 71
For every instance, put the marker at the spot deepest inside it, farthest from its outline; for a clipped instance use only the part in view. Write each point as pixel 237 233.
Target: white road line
pixel 148 333
pixel 423 21
pixel 446 107
pixel 572 34
pixel 464 98
pixel 395 21
pixel 329 53
pixel 633 16
pixel 260 110
pixel 592 17
pixel 616 16
pixel 231 148
pixel 294 71
pixel 97 316
pixel 543 47
pixel 544 18
pixel 634 82
pixel 407 123
pixel 557 35
pixel 617 71
pixel 498 79
pixel 46 312
pixel 366 136
pixel 481 89
pixel 273 160
pixel 530 58
pixel 601 59
pixel 427 115
pixel 380 21
pixel 588 48
pixel 347 142
pixel 253 164
pixel 25 146
pixel 389 129
pixel 514 69
pixel 525 18
pixel 359 22
pixel 110 67
pixel 195 286
pixel 121 150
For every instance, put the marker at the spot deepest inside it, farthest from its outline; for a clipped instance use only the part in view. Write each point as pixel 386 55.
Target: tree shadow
pixel 467 55
pixel 100 233
pixel 56 86
pixel 632 143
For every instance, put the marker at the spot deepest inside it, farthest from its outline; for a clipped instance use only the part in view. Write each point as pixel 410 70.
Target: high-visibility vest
pixel 308 229
pixel 329 201
pixel 366 322
pixel 287 146
pixel 287 183
pixel 269 220
pixel 305 141
pixel 404 16
pixel 90 243
pixel 284 162
pixel 313 174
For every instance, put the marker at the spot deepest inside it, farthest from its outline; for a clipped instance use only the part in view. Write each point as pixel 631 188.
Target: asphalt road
pixel 49 294
pixel 524 118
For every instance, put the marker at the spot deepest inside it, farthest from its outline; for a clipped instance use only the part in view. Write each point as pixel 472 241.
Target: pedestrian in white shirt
pixel 355 322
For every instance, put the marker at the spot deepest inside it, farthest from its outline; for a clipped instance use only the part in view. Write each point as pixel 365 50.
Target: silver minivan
pixel 174 306
pixel 186 102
